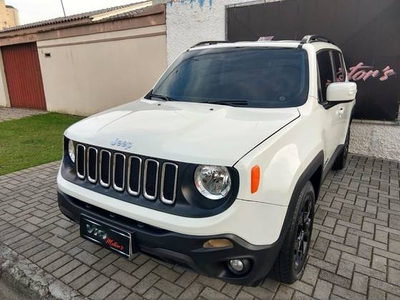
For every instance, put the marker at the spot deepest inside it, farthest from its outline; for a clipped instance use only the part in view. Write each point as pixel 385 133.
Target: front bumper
pixel 185 250
pixel 255 222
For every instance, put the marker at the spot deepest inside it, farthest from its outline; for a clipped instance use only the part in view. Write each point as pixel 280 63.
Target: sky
pixel 38 10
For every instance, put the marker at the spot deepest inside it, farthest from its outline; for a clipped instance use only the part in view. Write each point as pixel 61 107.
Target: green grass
pixel 32 141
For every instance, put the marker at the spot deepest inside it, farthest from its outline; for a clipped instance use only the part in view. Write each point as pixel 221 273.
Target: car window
pixel 242 76
pixel 339 70
pixel 325 73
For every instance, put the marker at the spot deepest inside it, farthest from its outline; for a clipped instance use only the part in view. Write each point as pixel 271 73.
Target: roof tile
pixel 77 17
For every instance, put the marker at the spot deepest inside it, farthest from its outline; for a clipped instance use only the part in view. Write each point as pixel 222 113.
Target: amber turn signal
pixel 219 243
pixel 255 179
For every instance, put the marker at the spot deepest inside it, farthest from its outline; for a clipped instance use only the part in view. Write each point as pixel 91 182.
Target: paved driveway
pixel 355 252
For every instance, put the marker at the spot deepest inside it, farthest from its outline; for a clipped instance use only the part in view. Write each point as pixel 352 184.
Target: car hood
pixel 182 131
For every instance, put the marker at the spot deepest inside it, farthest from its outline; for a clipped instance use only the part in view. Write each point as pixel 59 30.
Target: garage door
pixel 24 79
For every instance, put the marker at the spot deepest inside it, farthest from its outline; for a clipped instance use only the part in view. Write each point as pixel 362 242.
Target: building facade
pixel 86 63
pixel 9 16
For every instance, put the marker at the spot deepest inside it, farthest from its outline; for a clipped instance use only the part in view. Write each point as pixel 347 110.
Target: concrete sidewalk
pixel 355 252
pixel 10 113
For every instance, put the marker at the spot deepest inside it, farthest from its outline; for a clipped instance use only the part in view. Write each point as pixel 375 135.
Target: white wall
pixel 91 73
pixel 191 22
pixel 4 98
pixel 376 140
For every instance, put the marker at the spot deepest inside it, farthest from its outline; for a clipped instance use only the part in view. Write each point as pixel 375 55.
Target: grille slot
pixel 92 164
pixel 151 178
pixel 80 161
pixel 128 173
pixel 105 168
pixel 119 172
pixel 169 179
pixel 134 174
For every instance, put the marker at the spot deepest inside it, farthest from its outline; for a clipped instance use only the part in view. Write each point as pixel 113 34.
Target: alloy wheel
pixel 304 227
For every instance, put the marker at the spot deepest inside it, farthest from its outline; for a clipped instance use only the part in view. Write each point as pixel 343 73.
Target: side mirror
pixel 341 91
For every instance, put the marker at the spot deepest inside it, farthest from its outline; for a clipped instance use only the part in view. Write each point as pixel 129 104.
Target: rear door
pixel 345 109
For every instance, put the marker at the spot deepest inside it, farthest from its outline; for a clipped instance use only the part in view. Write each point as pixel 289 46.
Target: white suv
pixel 219 166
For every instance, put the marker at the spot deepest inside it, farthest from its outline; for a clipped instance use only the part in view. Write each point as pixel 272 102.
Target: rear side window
pixel 252 77
pixel 339 70
pixel 325 73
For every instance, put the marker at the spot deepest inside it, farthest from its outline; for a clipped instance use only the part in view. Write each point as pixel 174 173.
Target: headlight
pixel 213 182
pixel 71 150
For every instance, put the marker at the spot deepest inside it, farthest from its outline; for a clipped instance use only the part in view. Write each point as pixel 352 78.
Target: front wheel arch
pixel 290 262
pixel 313 174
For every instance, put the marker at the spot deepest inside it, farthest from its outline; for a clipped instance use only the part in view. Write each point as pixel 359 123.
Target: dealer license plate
pixel 108 236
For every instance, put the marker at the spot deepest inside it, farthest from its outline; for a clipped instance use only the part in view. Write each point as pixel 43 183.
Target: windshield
pixel 251 77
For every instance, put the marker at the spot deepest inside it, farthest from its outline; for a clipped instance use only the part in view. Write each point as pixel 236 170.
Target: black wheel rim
pixel 304 228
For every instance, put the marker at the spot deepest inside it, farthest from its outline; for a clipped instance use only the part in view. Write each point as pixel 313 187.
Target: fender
pixel 307 175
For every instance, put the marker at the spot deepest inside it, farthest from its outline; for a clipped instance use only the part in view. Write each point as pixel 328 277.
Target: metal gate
pixel 366 31
pixel 24 79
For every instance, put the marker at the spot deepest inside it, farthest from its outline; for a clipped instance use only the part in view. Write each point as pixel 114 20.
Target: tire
pixel 340 161
pixel 289 265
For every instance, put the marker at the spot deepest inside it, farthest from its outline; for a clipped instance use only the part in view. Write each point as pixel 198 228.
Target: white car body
pixel 283 142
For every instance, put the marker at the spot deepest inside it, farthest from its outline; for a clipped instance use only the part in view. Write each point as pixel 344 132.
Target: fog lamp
pixel 237 265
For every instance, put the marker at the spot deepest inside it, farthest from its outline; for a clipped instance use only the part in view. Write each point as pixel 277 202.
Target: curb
pixel 31 279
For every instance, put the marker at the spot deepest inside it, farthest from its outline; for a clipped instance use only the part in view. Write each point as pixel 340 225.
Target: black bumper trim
pixel 185 250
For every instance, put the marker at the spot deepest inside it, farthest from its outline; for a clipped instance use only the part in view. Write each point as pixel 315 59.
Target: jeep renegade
pixel 219 166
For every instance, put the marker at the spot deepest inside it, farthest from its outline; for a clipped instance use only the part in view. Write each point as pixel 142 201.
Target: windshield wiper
pixel 162 97
pixel 228 102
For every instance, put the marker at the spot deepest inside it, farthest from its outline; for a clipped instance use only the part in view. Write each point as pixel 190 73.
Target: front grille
pixel 128 173
pixel 169 176
pixel 105 168
pixel 134 175
pixel 119 172
pixel 150 184
pixel 80 161
pixel 92 164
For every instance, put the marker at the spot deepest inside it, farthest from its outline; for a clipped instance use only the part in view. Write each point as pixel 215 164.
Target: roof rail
pixel 312 38
pixel 206 43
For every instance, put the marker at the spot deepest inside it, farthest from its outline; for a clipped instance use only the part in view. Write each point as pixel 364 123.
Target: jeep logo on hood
pixel 120 143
